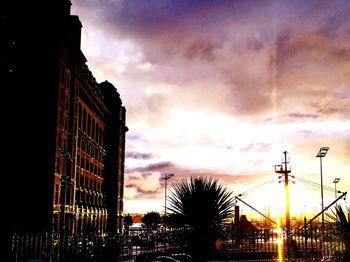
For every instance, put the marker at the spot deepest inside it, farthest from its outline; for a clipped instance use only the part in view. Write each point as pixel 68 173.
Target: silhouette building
pixel 64 133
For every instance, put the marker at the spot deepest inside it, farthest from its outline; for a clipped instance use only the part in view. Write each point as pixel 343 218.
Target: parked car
pixel 183 257
pixel 166 259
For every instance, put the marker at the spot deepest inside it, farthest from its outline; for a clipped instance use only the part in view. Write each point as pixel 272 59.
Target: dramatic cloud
pixel 222 88
pixel 140 184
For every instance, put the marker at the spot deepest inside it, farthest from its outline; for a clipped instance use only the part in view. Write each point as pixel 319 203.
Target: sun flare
pixel 271 200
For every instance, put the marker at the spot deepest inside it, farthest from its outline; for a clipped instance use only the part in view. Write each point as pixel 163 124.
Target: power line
pixel 256 187
pixel 309 184
pixel 314 184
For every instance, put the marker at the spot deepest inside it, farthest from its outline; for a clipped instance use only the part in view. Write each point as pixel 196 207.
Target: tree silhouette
pixel 151 219
pixel 174 220
pixel 204 206
pixel 127 223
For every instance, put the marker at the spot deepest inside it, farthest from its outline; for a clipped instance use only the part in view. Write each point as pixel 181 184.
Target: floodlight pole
pixel 322 153
pixel 336 180
pixel 166 178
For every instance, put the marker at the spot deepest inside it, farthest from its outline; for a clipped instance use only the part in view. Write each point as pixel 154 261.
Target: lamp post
pixel 166 178
pixel 65 184
pixel 336 180
pixel 322 153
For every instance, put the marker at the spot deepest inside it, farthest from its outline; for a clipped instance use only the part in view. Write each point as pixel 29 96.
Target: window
pixel 97 134
pixel 59 140
pixel 66 104
pixel 57 194
pixel 84 120
pixel 60 118
pixel 88 148
pixel 77 200
pixel 93 129
pixel 68 79
pixel 89 125
pixel 101 141
pixel 81 184
pixel 61 98
pixel 58 165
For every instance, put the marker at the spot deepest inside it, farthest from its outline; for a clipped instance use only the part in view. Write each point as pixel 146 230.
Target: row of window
pixel 64 98
pixel 63 120
pixel 82 196
pixel 89 222
pixel 90 167
pixel 90 124
pixel 65 76
pixel 89 183
pixel 60 190
pixel 89 198
pixel 61 165
pixel 89 148
pixel 82 210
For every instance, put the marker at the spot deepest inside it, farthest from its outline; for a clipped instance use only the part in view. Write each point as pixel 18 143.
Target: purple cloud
pixel 300 115
pixel 154 167
pixel 258 147
pixel 136 155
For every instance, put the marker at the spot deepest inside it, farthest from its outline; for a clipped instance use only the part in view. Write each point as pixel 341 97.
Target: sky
pixel 221 89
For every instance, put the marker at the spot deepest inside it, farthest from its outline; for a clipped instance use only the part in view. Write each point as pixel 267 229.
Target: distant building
pixel 245 224
pixel 136 217
pixel 64 134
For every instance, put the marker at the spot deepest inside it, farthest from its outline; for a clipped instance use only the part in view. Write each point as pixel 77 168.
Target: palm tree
pixel 342 221
pixel 204 206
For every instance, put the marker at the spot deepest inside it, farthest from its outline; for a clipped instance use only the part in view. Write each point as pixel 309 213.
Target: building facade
pixel 65 133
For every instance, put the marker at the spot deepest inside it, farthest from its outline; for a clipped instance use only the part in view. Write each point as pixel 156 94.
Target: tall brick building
pixel 63 133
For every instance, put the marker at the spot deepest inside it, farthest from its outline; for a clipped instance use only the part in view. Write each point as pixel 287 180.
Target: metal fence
pixel 57 247
pixel 267 244
pixel 312 243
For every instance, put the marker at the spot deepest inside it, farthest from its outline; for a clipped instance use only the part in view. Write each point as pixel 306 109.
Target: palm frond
pixel 204 205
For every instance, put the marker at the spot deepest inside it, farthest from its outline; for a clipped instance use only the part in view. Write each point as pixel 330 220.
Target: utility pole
pixel 285 170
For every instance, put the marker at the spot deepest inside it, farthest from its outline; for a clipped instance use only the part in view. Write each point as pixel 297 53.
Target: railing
pixel 262 244
pixel 273 244
pixel 56 247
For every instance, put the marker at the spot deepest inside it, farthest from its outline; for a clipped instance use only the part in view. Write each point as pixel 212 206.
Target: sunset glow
pixel 222 89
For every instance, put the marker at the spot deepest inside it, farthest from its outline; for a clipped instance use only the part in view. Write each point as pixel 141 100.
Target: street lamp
pixel 166 177
pixel 322 153
pixel 336 180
